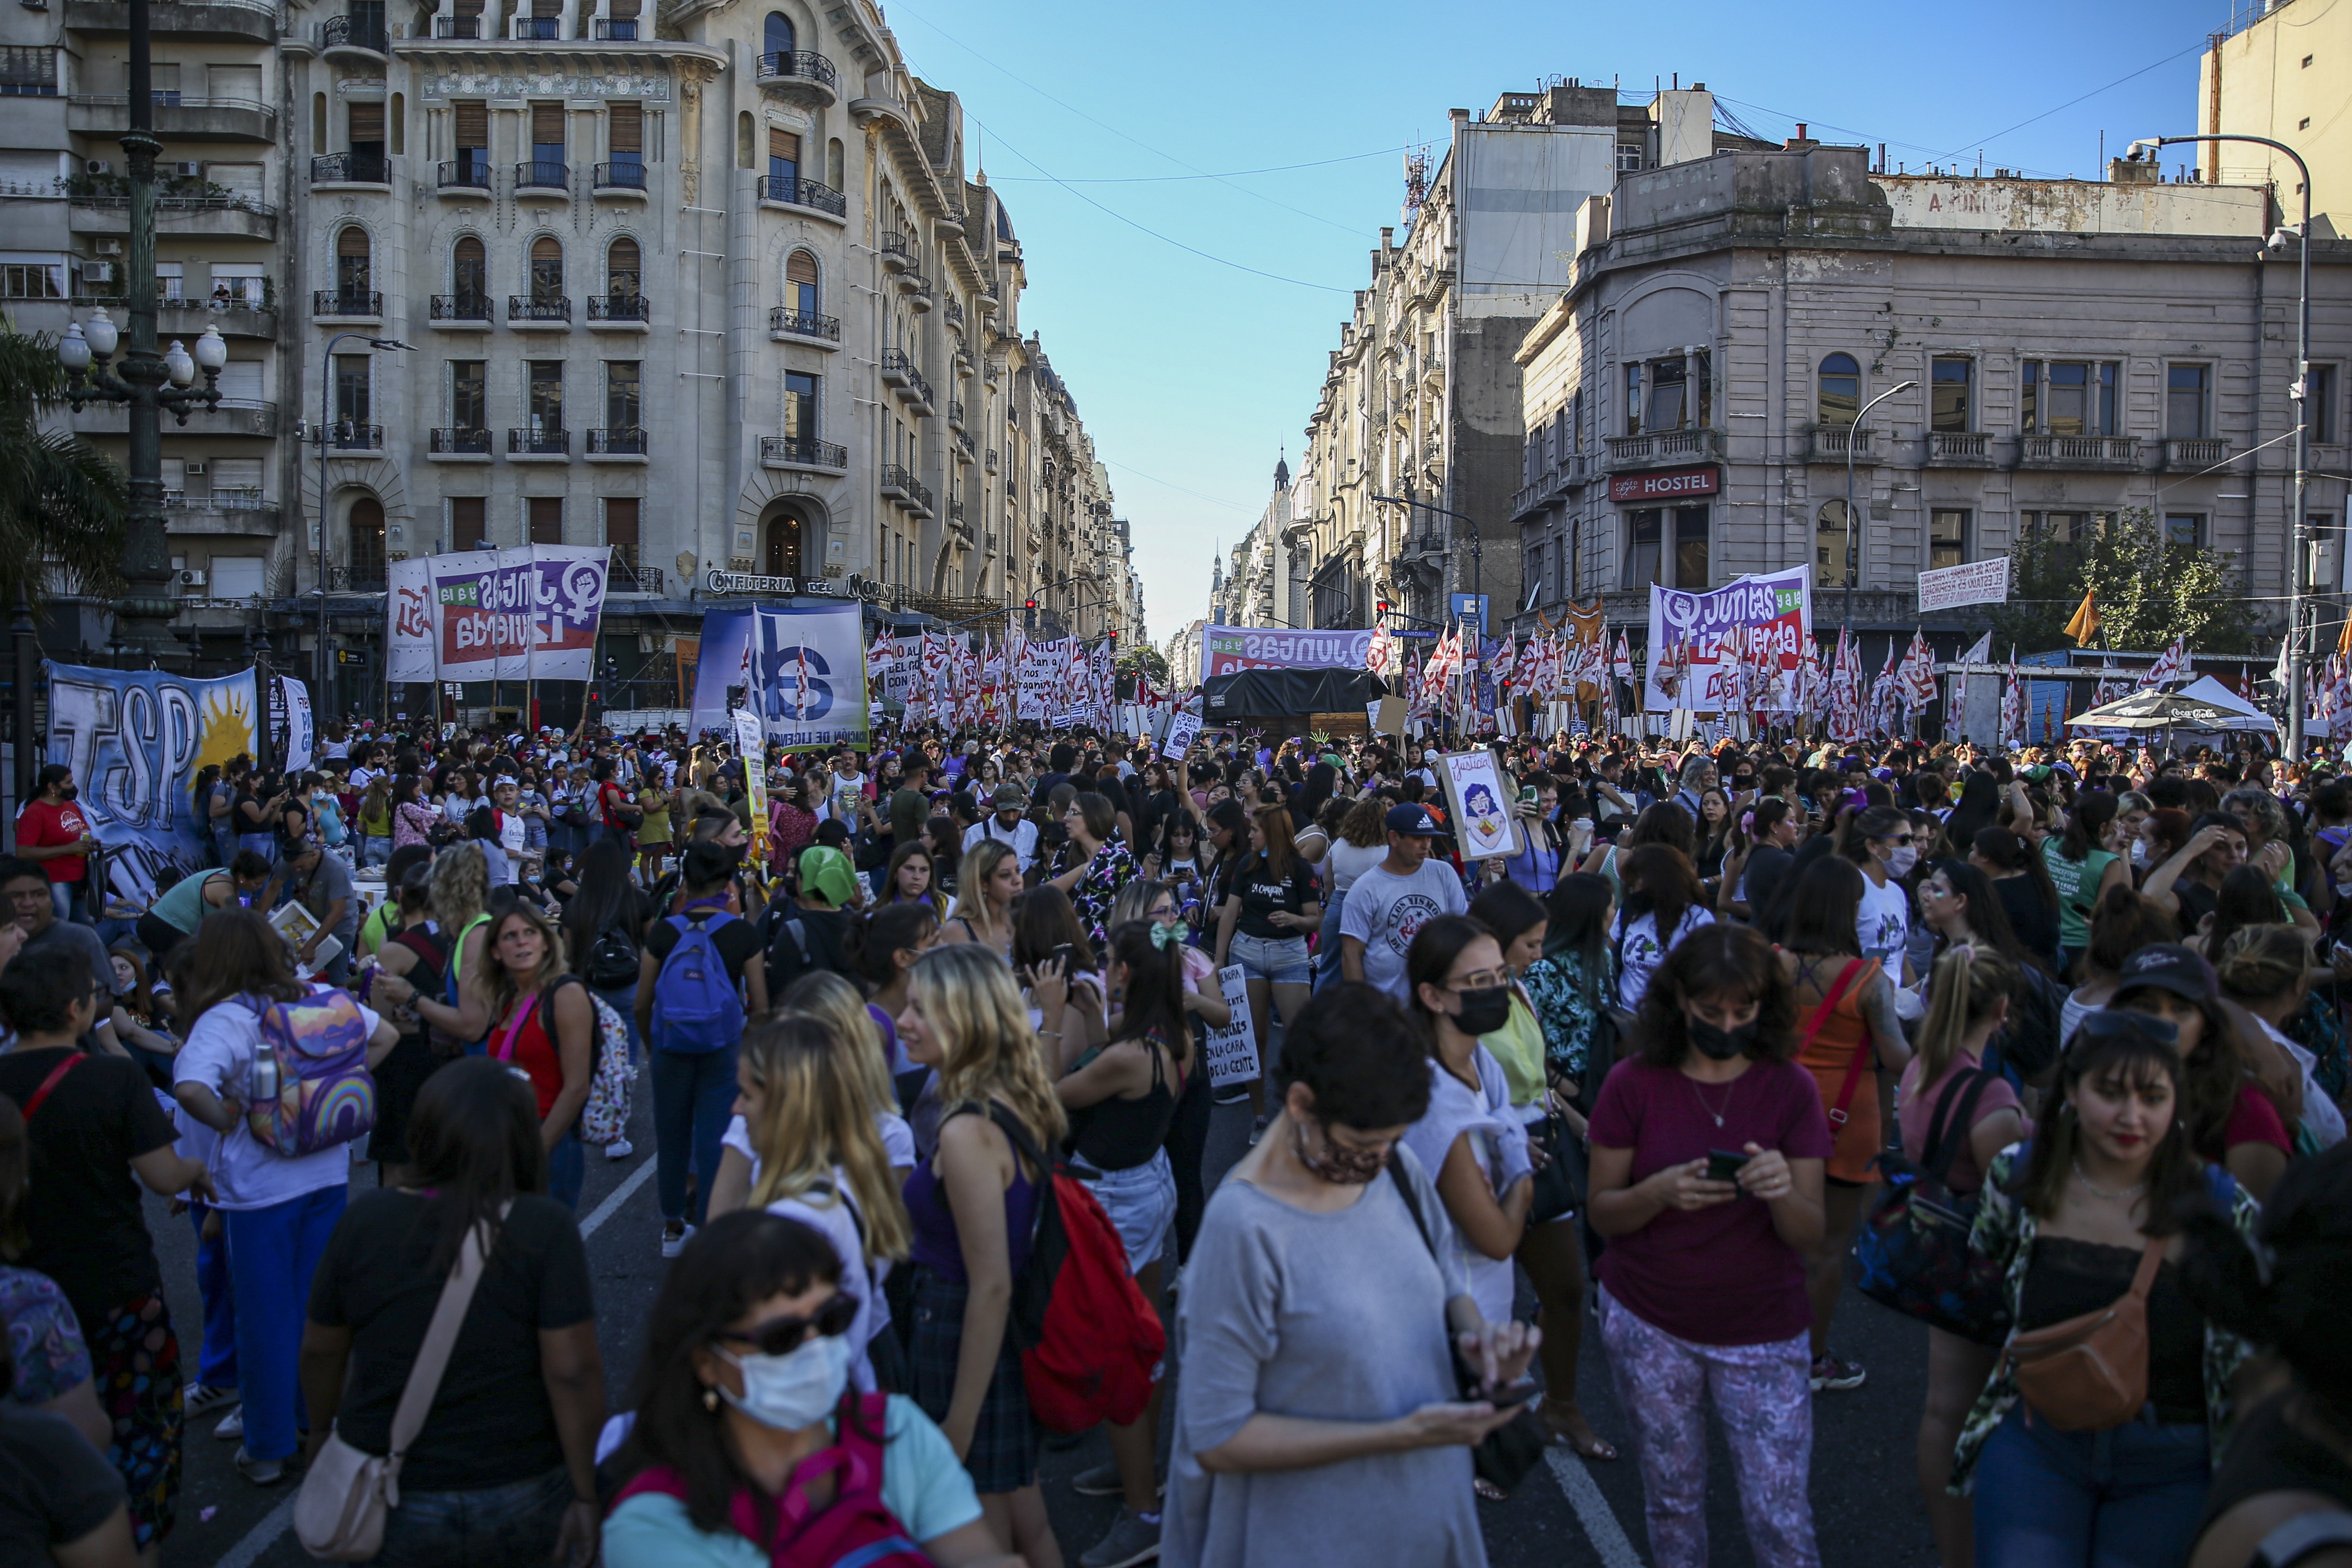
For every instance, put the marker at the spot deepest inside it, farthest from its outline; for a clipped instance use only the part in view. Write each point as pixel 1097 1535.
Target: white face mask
pixel 2139 852
pixel 1904 857
pixel 790 1391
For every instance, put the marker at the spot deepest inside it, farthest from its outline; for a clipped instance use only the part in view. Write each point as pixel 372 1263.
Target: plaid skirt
pixel 1005 1438
pixel 134 1361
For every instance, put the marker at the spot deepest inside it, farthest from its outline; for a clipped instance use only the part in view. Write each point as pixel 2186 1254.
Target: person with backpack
pixel 504 1460
pixel 974 1206
pixel 461 889
pixel 747 1426
pixel 256 1037
pixel 543 1024
pixel 603 932
pixel 811 932
pixel 695 984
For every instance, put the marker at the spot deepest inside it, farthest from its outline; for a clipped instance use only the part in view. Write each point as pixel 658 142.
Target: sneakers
pixel 619 1149
pixel 231 1426
pixel 674 1235
pixel 1233 1096
pixel 1832 1374
pixel 1103 1482
pixel 201 1400
pixel 261 1472
pixel 1131 1538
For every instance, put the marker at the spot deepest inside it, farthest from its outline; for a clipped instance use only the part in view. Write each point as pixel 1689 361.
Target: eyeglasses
pixel 782 1336
pixel 1485 980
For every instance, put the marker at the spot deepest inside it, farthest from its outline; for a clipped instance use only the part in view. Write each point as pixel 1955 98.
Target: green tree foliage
pixel 61 499
pixel 2149 591
pixel 1148 659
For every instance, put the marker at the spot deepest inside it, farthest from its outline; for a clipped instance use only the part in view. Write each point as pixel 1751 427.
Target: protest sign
pixel 1232 1051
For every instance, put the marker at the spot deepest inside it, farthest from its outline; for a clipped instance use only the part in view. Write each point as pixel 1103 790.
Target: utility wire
pixel 1230 173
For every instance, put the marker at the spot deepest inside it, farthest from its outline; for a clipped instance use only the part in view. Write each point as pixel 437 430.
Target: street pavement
pixel 1866 1504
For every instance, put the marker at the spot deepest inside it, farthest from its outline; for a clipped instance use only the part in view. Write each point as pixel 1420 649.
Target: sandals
pixel 1592 1448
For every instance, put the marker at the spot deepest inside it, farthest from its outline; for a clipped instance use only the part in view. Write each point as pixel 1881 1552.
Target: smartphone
pixel 1512 1394
pixel 1723 1165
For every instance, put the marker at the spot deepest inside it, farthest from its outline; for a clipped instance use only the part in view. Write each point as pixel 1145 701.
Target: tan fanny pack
pixel 2089 1374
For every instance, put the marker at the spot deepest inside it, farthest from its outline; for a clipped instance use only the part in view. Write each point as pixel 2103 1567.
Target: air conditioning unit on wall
pixel 98 271
pixel 97 166
pixel 193 577
pixel 188 171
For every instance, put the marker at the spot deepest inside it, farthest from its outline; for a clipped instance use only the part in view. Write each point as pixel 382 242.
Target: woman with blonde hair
pixel 973 1204
pixel 460 888
pixel 987 881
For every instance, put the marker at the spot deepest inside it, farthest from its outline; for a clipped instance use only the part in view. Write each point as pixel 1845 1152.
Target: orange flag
pixel 2085 623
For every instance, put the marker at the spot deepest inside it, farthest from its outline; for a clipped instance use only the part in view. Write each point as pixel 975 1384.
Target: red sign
pixel 1670 484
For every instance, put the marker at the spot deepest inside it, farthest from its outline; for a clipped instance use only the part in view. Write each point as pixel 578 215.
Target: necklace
pixel 1728 1091
pixel 2089 1186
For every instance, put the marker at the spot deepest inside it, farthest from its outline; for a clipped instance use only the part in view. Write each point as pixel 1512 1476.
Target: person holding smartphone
pixel 1707 1147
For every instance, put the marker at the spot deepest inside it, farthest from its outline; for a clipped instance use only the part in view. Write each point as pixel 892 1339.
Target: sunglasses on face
pixel 782 1336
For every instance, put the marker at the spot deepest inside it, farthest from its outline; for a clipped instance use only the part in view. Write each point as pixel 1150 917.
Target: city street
pixel 1866 1504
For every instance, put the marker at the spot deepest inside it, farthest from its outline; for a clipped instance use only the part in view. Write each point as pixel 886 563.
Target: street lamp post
pixel 2299 527
pixel 326 389
pixel 1477 550
pixel 1853 567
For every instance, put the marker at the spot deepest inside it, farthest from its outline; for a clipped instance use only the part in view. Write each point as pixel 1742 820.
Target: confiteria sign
pixel 1671 484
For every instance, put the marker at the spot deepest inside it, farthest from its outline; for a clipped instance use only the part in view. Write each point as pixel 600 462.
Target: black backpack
pixel 613 958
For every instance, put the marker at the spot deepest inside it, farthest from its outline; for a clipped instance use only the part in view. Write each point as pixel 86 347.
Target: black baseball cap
pixel 2167 966
pixel 1413 820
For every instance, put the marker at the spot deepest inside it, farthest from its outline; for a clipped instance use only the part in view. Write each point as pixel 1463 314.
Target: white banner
pixel 300 734
pixel 1972 582
pixel 408 632
pixel 1232 1051
pixel 1696 625
pixel 809 672
pixel 525 613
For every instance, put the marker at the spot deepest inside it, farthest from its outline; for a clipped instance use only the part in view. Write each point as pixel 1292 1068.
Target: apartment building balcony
pixel 359 579
pixel 229 416
pixel 2194 456
pixel 351 172
pixel 1665 449
pixel 231 512
pixel 539 312
pixel 539 443
pixel 990 463
pixel 2106 454
pixel 898 372
pixel 618 313
pixel 463 177
pixel 804 452
pixel 804 195
pixel 1835 444
pixel 918 290
pixel 617 443
pixel 189 318
pixel 966 452
pixel 897 253
pixel 461 312
pixel 458 444
pixel 1960 449
pixel 621 182
pixel 347 305
pixel 535 29
pixel 456 26
pixel 626 576
pixel 178 117
pixel 800 77
pixel 954 313
pixel 788 325
pixel 350 436
pixel 989 302
pixel 355 39
pixel 950 222
pixel 543 175
pixel 193 217
pixel 213 22
pixel 909 493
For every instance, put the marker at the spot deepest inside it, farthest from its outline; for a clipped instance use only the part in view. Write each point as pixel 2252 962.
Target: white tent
pixel 2205 688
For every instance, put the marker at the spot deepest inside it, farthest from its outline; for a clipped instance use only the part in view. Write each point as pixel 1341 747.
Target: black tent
pixel 1288 693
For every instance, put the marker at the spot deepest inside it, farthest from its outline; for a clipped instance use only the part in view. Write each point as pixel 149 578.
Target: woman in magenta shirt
pixel 1707 1147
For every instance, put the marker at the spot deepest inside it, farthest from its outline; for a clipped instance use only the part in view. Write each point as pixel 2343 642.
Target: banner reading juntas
pixel 1225 650
pixel 526 614
pixel 801 670
pixel 1781 602
pixel 135 741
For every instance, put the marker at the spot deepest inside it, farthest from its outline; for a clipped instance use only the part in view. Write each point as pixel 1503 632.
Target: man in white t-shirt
pixel 1389 903
pixel 1007 826
pixel 506 801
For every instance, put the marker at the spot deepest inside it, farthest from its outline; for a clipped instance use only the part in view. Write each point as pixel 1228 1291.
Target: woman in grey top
pixel 1319 1418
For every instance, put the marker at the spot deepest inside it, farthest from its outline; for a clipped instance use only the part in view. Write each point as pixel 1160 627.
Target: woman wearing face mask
pixel 1319 1420
pixel 745 1382
pixel 2085 1213
pixel 1883 843
pixel 1205 1010
pixel 2082 869
pixel 1707 1149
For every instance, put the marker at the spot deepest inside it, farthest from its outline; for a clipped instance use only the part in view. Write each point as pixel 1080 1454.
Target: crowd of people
pixel 2044 1049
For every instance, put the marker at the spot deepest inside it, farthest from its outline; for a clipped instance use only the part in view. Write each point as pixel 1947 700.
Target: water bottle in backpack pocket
pixel 696 1006
pixel 310 1086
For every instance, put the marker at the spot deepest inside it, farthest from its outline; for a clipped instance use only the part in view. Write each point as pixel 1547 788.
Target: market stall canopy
pixel 1288 693
pixel 2205 688
pixel 2211 711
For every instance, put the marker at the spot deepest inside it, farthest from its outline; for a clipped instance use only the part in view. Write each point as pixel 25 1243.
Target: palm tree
pixel 62 501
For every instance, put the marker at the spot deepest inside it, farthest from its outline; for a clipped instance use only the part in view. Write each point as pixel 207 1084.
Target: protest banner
pixel 1780 602
pixel 1232 1051
pixel 1225 649
pixel 801 670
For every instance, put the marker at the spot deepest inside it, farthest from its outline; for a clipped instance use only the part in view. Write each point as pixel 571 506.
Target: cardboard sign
pixel 1232 1051
pixel 1183 730
pixel 1485 826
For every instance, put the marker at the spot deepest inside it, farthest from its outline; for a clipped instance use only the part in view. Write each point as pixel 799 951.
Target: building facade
pixel 2284 72
pixel 2071 349
pixel 717 289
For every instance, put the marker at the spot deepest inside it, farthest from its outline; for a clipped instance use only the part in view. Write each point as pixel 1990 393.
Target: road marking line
pixel 264 1536
pixel 1592 1511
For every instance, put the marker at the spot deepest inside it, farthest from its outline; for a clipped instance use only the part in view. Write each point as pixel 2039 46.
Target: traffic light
pixel 1379 607
pixel 1028 604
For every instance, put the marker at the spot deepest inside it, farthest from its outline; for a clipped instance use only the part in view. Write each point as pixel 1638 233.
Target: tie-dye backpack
pixel 311 1088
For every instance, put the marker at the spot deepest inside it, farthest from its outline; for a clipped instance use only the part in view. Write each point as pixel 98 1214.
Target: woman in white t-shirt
pixel 1882 841
pixel 1362 843
pixel 1665 902
pixel 279 1208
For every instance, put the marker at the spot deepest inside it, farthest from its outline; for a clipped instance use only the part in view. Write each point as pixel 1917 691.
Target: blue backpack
pixel 696 1006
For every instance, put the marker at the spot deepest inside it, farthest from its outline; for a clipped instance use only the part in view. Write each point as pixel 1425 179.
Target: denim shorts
pixel 1282 959
pixel 513 1523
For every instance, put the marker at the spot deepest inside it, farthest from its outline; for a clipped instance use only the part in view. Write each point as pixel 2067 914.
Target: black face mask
pixel 1485 1010
pixel 69 793
pixel 1719 1044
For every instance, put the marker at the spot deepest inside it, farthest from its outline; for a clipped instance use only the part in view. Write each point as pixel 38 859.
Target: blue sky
pixel 1194 369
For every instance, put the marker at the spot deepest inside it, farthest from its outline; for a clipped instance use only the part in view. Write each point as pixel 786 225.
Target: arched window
pixel 1830 545
pixel 546 270
pixel 1839 399
pixel 784 546
pixel 778 36
pixel 800 284
pixel 352 269
pixel 622 277
pixel 469 271
pixel 366 556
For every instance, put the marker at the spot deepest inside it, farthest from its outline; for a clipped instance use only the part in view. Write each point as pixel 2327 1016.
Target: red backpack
pixel 1091 1346
pixel 855 1529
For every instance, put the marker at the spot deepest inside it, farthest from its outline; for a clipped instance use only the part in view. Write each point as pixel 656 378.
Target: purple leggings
pixel 1763 1395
